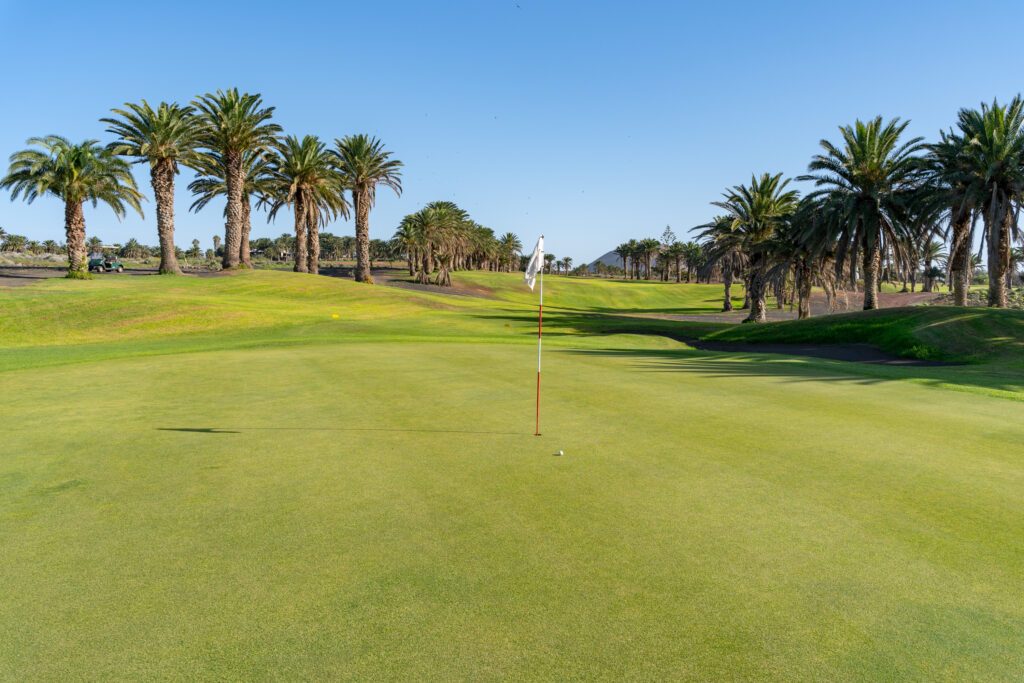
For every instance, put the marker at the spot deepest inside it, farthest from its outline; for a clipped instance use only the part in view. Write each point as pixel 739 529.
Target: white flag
pixel 535 264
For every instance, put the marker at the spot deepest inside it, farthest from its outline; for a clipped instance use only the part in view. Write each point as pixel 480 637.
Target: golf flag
pixel 535 264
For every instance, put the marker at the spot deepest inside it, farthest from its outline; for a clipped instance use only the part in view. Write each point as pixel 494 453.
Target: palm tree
pixel 548 260
pixel 164 138
pixel 408 239
pixel 867 189
pixel 211 183
pixel 75 174
pixel 723 247
pixel 648 249
pixel 675 252
pixel 1016 256
pixel 132 249
pixel 364 164
pixel 567 262
pixel 233 125
pixel 301 177
pixel 693 254
pixel 951 189
pixel 14 242
pixel 930 251
pixel 510 246
pixel 755 213
pixel 994 159
pixel 624 252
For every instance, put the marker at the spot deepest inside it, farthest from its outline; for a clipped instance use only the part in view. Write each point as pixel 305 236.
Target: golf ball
pixel 560 453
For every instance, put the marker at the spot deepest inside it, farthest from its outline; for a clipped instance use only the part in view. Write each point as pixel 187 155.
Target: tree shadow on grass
pixel 804 369
pixel 239 430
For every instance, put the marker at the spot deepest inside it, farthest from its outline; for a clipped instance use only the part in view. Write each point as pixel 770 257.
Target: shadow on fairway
pixel 806 369
pixel 239 430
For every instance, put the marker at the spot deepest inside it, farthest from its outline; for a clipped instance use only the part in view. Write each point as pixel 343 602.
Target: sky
pixel 590 122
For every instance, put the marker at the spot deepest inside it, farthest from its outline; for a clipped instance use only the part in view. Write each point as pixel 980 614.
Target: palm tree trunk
pixel 998 253
pixel 411 259
pixel 301 253
pixel 727 282
pixel 234 178
pixel 758 289
pixel 746 293
pixel 162 177
pixel 313 247
pixel 361 207
pixel 679 269
pixel 74 233
pixel 804 292
pixel 870 265
pixel 960 258
pixel 244 254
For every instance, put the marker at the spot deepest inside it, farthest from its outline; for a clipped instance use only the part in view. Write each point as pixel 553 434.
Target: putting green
pixel 361 498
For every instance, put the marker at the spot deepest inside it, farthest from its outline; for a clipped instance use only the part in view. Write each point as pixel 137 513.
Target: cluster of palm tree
pixel 229 139
pixel 442 236
pixel 882 208
pixel 650 258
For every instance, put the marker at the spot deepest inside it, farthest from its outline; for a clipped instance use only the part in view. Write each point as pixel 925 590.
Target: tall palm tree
pixel 723 247
pixel 75 174
pixel 951 189
pixel 624 252
pixel 233 125
pixel 649 248
pixel 549 259
pixel 755 213
pixel 301 177
pixel 930 251
pixel 510 248
pixel 165 138
pixel 408 238
pixel 211 183
pixel 994 158
pixel 675 253
pixel 868 188
pixel 364 164
pixel 693 254
pixel 567 262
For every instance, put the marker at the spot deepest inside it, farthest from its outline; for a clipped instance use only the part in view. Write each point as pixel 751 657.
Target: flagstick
pixel 540 327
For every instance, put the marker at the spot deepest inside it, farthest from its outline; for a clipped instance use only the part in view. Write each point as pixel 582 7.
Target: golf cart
pixel 104 263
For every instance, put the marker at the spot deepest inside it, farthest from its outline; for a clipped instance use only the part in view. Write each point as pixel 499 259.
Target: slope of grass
pixel 927 332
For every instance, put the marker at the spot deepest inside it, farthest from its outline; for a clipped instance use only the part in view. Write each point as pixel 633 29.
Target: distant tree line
pixel 239 154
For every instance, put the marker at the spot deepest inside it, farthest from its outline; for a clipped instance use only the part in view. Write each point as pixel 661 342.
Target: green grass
pixel 927 332
pixel 216 478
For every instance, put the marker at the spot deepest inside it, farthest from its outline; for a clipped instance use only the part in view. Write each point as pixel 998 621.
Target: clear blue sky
pixel 591 122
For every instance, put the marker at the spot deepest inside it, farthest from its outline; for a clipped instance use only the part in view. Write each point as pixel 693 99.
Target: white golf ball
pixel 560 453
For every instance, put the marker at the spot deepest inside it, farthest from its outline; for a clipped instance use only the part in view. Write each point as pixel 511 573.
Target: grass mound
pixel 925 332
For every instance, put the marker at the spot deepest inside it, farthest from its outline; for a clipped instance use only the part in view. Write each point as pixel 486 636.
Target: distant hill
pixel 609 259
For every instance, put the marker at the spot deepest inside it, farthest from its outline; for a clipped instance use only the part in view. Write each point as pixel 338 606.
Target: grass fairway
pixel 229 482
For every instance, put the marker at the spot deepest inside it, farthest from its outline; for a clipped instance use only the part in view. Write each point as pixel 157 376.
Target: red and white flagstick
pixel 540 328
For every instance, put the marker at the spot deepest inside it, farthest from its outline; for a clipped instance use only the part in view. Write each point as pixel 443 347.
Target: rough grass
pixel 280 493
